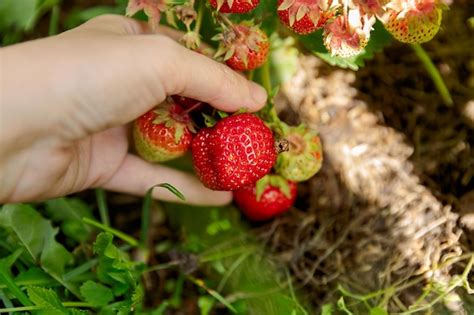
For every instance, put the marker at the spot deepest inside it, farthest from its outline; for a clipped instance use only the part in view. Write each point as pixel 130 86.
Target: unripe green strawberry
pixel 415 21
pixel 163 133
pixel 304 157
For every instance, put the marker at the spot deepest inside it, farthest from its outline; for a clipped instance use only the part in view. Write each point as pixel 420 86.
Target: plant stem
pixel 102 204
pixel 124 237
pixel 200 13
pixel 434 73
pixel 34 308
pixel 54 21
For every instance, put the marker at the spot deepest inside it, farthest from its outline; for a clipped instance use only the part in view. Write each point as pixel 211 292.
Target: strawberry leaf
pixel 48 300
pixel 96 294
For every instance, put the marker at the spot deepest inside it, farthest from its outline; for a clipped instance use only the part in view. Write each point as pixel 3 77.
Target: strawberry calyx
pixel 272 180
pixel 239 41
pixel 174 116
pixel 310 15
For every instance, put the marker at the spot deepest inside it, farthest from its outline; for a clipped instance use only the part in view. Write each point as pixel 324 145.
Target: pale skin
pixel 66 104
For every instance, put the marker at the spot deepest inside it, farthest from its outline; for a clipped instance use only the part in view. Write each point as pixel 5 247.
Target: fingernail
pixel 258 93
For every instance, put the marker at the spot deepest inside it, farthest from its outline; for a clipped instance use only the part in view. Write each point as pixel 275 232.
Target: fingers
pixel 182 71
pixel 136 176
pixel 191 74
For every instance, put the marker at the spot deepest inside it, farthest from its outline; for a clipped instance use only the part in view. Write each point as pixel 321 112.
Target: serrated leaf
pixel 34 276
pixel 48 300
pixel 96 294
pixel 115 268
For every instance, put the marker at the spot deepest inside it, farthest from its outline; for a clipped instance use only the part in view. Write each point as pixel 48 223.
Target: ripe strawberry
pixel 163 134
pixel 304 157
pixel 306 16
pixel 267 198
pixel 348 35
pixel 237 151
pixel 244 47
pixel 234 6
pixel 414 21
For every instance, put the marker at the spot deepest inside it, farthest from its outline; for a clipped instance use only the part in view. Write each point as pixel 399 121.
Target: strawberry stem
pixel 225 19
pixel 434 73
pixel 197 27
pixel 187 111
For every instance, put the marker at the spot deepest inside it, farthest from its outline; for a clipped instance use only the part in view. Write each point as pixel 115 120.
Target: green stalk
pixel 35 308
pixel 124 237
pixel 200 13
pixel 102 204
pixel 54 21
pixel 434 73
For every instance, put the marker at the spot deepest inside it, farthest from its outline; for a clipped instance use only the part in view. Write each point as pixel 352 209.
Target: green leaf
pixel 205 304
pixel 96 293
pixel 48 300
pixel 18 14
pixel 34 276
pixel 115 268
pixel 38 239
pixel 378 311
pixel 6 277
pixel 16 217
pixel 70 211
pixel 54 256
pixel 327 309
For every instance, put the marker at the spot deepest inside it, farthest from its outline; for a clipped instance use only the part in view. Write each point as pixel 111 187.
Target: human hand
pixel 67 100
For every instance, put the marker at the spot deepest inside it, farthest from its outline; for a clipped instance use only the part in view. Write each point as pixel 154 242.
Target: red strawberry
pixel 234 6
pixel 163 134
pixel 267 198
pixel 244 47
pixel 237 151
pixel 305 16
pixel 415 21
